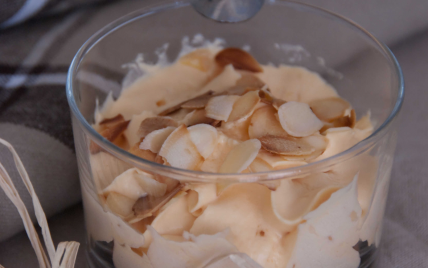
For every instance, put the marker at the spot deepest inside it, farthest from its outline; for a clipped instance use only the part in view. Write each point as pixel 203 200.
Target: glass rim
pixel 185 174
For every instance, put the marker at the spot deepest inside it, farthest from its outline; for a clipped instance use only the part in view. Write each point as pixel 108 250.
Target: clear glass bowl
pixel 357 65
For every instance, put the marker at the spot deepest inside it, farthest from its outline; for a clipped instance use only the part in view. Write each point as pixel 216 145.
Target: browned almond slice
pixel 298 120
pixel 145 206
pixel 155 139
pixel 345 121
pixel 196 117
pixel 244 106
pixel 145 154
pixel 249 80
pixel 285 145
pixel 220 107
pixel 264 122
pixel 329 109
pixel 239 58
pixel 110 134
pixel 179 150
pixel 109 122
pixel 240 157
pixel 197 103
pixel 154 123
pixel 201 59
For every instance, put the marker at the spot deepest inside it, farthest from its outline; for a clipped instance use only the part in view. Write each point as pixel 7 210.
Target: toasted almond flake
pixel 111 134
pixel 241 156
pixel 345 121
pixel 154 123
pixel 201 59
pixel 259 165
pixel 298 120
pixel 170 110
pixel 353 118
pixel 179 150
pixel 226 79
pixel 180 114
pixel 155 139
pixel 197 103
pixel 204 137
pixel 145 154
pixel 146 205
pixel 244 106
pixel 286 145
pixel 109 122
pixel 220 107
pixel 197 117
pixel 264 122
pixel 239 58
pixel 249 80
pixel 329 109
pixel 199 196
pixel 278 162
pixel 120 204
pixel 237 130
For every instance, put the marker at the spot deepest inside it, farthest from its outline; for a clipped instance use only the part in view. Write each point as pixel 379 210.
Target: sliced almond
pixel 277 161
pixel 197 117
pixel 298 120
pixel 155 139
pixel 329 109
pixel 179 150
pixel 201 59
pixel 180 114
pixel 249 80
pixel 120 204
pixel 145 206
pixel 145 154
pixel 345 121
pixel 239 58
pixel 259 165
pixel 240 157
pixel 244 106
pixel 237 130
pixel 154 123
pixel 264 122
pixel 220 107
pixel 111 134
pixel 197 103
pixel 109 122
pixel 204 137
pixel 285 145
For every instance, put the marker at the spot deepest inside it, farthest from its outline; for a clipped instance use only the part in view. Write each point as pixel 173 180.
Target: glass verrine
pixel 358 66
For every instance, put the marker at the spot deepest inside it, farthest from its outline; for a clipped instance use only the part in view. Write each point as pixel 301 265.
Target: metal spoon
pixel 228 10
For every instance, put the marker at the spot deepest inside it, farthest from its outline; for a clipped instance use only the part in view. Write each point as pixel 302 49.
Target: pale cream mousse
pixel 218 110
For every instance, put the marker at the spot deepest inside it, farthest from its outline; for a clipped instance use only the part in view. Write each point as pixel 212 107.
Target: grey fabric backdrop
pixel 41 50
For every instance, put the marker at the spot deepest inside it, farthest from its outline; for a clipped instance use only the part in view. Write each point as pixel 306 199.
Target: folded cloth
pixel 17 11
pixel 34 114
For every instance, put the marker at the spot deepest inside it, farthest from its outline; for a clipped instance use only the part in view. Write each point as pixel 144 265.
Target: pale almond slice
pixel 179 150
pixel 259 165
pixel 120 204
pixel 154 123
pixel 239 58
pixel 298 120
pixel 241 156
pixel 329 109
pixel 237 130
pixel 249 80
pixel 244 106
pixel 197 103
pixel 155 139
pixel 264 122
pixel 220 107
pixel 145 154
pixel 286 145
pixel 201 59
pixel 204 137
pixel 196 117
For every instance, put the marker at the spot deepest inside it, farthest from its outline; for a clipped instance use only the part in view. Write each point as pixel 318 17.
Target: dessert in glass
pixel 267 143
